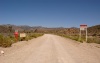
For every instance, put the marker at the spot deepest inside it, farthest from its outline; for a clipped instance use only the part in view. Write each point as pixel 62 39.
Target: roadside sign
pixel 83 27
pixel 22 34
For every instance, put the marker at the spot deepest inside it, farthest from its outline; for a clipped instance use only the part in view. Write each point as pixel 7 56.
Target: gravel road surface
pixel 51 49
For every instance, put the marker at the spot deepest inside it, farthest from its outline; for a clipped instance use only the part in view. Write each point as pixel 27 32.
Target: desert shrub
pixel 30 36
pixel 73 37
pixel 76 38
pixel 35 35
pixel 13 39
pixel 5 41
pixel 94 40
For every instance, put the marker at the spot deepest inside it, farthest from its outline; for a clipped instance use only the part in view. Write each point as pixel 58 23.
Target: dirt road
pixel 51 49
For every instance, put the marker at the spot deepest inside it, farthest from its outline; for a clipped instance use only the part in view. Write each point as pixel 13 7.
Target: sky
pixel 50 13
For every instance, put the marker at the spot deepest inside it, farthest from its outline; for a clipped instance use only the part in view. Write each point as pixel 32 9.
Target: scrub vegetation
pixel 7 37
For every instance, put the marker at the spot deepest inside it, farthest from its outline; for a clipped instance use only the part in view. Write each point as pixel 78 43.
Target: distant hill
pixel 11 28
pixel 94 30
pixel 8 28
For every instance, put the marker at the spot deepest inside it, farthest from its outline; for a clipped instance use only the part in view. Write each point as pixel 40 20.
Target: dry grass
pixel 76 38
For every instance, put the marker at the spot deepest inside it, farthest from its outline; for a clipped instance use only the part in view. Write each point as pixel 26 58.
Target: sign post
pixel 83 27
pixel 86 34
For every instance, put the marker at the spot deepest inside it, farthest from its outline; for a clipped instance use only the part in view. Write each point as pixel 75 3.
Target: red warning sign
pixel 83 27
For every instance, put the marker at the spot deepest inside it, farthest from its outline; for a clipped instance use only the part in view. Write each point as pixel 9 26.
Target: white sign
pixel 22 34
pixel 83 27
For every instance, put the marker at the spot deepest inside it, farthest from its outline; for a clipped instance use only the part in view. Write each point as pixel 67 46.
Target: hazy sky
pixel 50 13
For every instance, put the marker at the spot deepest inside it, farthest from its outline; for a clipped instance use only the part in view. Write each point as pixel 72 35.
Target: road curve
pixel 52 49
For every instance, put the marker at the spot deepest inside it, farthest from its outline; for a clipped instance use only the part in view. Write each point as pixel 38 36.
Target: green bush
pixel 5 41
pixel 13 39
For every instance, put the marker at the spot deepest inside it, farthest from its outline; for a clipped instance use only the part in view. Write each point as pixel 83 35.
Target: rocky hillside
pixel 94 30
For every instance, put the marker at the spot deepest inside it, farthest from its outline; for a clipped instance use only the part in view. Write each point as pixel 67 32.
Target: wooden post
pixel 80 36
pixel 86 34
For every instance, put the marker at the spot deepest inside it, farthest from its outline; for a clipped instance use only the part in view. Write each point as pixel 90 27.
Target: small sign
pixel 22 34
pixel 83 27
